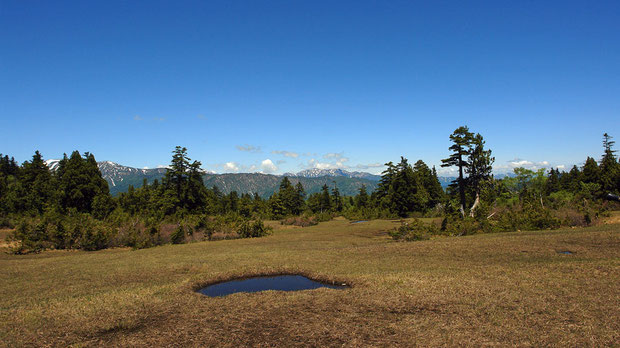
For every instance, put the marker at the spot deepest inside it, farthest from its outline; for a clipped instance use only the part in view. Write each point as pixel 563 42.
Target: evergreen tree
pixel 300 198
pixel 431 191
pixel 553 182
pixel 36 179
pixel 361 200
pixel 462 139
pixel 325 203
pixel 609 168
pixel 405 193
pixel 591 172
pixel 336 203
pixel 479 167
pixel 80 181
pixel 288 197
pixel 183 182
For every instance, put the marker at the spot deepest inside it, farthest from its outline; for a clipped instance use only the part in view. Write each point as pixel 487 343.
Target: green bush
pixel 253 229
pixel 178 236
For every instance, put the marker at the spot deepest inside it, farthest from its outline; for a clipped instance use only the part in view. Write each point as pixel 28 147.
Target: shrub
pixel 253 229
pixel 178 236
pixel 415 230
pixel 303 221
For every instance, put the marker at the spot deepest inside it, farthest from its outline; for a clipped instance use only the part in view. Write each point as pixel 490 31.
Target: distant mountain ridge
pixel 120 177
pixel 316 173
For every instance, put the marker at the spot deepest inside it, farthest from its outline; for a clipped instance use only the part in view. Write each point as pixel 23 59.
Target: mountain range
pixel 120 177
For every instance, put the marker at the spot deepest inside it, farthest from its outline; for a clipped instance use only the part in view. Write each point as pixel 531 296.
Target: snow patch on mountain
pixel 316 173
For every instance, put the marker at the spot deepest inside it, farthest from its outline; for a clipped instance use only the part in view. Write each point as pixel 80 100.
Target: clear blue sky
pixel 337 83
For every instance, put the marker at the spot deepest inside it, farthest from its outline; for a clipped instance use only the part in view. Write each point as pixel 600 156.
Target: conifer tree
pixel 336 204
pixel 361 200
pixel 300 198
pixel 609 168
pixel 325 203
pixel 462 139
pixel 80 181
pixel 36 179
pixel 479 167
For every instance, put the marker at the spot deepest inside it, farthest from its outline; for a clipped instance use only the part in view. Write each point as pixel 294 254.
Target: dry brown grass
pixel 492 290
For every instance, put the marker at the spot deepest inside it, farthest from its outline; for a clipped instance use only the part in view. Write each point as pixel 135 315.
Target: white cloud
pixel 231 167
pixel 523 163
pixel 447 171
pixel 137 118
pixel 286 153
pixel 249 148
pixel 267 166
pixel 162 166
pixel 313 163
pixel 336 156
pixel 368 166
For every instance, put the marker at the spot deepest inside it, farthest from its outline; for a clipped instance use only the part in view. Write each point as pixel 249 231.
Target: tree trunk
pixel 473 207
pixel 461 186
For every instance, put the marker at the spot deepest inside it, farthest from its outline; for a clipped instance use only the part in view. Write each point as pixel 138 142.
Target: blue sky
pixel 280 86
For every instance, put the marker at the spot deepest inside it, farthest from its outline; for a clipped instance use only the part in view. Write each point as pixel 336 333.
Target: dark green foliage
pixel 609 168
pixel 61 231
pixel 404 189
pixel 470 156
pixel 462 139
pixel 288 200
pixel 178 236
pixel 37 184
pixel 80 181
pixel 184 188
pixel 361 200
pixel 253 229
pixel 71 207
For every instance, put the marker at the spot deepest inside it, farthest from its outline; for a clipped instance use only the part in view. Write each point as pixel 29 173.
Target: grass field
pixel 494 289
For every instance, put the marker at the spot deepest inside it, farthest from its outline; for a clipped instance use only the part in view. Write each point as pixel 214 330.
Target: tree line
pixel 48 204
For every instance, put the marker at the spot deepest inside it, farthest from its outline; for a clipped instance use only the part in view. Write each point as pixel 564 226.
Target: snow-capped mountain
pixel 52 164
pixel 116 174
pixel 316 173
pixel 120 177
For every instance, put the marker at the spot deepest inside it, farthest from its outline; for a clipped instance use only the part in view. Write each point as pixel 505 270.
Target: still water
pixel 280 283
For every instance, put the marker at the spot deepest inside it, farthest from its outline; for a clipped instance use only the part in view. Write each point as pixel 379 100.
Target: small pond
pixel 255 284
pixel 359 221
pixel 565 252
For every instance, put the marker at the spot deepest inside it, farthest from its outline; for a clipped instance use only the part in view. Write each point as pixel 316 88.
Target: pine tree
pixel 479 168
pixel 609 168
pixel 325 199
pixel 591 172
pixel 361 201
pixel 300 198
pixel 337 203
pixel 553 182
pixel 462 139
pixel 183 181
pixel 80 181
pixel 36 179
